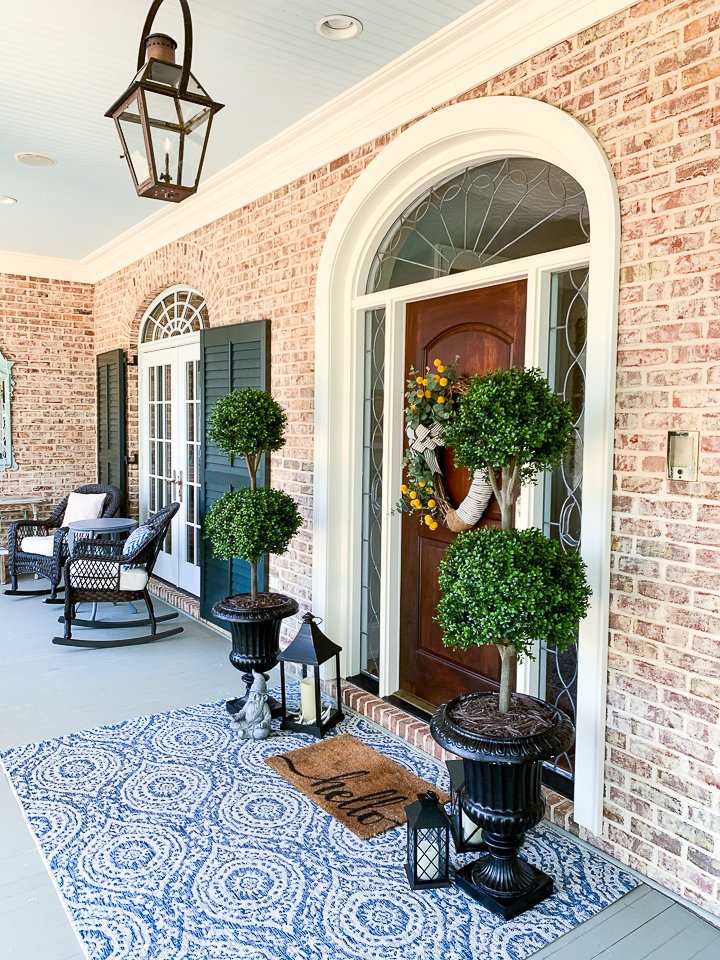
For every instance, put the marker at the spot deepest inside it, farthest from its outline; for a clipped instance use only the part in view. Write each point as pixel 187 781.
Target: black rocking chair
pixel 50 567
pixel 98 572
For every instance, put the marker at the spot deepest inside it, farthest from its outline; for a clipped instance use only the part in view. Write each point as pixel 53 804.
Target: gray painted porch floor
pixel 48 691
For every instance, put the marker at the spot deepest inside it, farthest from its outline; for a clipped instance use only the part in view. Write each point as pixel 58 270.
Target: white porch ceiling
pixel 63 62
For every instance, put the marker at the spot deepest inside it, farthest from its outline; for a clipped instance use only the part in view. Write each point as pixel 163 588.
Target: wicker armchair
pixel 98 572
pixel 51 567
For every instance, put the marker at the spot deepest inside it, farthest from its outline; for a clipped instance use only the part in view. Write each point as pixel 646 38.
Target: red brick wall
pixel 48 330
pixel 645 82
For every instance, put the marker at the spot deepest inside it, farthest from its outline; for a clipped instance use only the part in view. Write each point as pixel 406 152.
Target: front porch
pixel 51 691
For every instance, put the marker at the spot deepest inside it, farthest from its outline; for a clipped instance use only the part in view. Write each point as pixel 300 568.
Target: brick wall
pixel 646 83
pixel 47 329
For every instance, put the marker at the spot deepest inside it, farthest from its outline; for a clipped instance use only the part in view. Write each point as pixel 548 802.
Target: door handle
pixel 180 486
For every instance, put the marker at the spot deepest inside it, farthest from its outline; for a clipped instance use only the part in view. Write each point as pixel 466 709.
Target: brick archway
pixel 184 263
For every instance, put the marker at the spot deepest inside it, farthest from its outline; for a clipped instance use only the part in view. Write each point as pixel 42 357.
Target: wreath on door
pixel 431 402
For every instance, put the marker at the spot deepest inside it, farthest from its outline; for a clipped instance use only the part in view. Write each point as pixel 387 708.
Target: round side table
pixel 110 526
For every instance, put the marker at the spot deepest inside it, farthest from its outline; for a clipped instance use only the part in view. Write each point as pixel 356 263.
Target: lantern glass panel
pixel 194 87
pixel 132 135
pixel 168 74
pixel 164 129
pixel 430 858
pixel 197 128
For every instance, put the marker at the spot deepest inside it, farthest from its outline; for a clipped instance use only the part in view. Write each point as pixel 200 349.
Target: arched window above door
pixel 176 312
pixel 488 213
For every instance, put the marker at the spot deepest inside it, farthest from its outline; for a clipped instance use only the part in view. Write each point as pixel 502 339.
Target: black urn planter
pixel 502 794
pixel 255 633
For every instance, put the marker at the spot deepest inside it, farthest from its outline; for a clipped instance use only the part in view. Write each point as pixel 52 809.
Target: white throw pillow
pixel 83 506
pixel 38 545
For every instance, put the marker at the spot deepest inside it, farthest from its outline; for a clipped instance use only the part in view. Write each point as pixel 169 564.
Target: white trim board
pixel 490 39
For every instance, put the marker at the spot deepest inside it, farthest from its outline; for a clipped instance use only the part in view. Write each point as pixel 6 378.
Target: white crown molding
pixel 47 268
pixel 488 40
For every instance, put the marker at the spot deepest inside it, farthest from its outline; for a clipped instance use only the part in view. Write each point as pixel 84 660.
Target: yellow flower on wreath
pixel 437 363
pixel 416 504
pixel 441 399
pixel 443 382
pixel 428 393
pixel 441 369
pixel 418 379
pixel 412 495
pixel 421 393
pixel 403 489
pixel 433 525
pixel 431 504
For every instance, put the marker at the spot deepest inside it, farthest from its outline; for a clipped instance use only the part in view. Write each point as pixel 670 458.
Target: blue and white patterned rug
pixel 170 839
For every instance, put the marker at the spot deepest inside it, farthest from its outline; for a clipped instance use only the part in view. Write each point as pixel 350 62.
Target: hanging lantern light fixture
pixel 164 117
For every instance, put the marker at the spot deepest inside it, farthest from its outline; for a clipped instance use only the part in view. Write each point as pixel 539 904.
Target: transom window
pixel 489 213
pixel 176 313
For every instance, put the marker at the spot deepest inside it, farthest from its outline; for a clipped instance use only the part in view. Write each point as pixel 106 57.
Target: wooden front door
pixel 486 329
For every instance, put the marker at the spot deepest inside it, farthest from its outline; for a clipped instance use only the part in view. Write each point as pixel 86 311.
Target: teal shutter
pixel 231 358
pixel 111 418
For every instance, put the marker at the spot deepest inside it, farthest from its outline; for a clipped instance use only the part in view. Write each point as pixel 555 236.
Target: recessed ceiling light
pixel 35 159
pixel 338 26
pixel 8 200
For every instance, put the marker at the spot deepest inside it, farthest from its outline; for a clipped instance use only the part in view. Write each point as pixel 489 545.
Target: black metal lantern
pixel 164 117
pixel 428 843
pixel 466 834
pixel 310 648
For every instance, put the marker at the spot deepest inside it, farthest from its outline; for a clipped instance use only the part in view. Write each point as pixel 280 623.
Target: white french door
pixel 170 452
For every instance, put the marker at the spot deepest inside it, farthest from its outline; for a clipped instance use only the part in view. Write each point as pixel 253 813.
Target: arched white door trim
pixel 175 473
pixel 427 152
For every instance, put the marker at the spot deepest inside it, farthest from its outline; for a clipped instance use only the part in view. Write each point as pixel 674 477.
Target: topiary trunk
pixel 253 461
pixel 505 495
pixel 508 658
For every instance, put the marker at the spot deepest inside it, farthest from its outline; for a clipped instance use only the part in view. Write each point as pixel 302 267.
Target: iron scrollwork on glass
pixel 373 392
pixel 488 213
pixel 563 487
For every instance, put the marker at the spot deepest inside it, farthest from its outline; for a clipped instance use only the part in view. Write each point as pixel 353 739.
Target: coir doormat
pixel 361 788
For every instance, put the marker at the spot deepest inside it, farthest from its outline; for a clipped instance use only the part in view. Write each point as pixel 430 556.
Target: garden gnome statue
pixel 253 719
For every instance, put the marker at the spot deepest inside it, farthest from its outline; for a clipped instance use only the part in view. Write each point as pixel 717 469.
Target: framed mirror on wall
pixel 7 454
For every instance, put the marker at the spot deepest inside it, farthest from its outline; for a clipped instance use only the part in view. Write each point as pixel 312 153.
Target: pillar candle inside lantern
pixel 428 857
pixel 468 826
pixel 307 699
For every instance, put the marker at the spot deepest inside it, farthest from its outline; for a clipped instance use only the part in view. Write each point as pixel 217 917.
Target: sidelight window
pixel 372 491
pixel 562 513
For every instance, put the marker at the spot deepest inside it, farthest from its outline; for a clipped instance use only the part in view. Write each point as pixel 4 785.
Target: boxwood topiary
pixel 511 588
pixel 247 423
pixel 511 426
pixel 250 523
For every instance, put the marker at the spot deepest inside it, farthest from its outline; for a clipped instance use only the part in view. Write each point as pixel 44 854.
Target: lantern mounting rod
pixel 187 46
